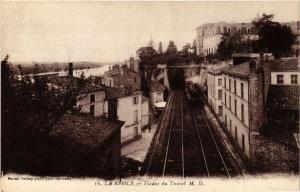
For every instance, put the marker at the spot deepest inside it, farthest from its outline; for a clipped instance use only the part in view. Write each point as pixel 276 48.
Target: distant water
pixel 98 71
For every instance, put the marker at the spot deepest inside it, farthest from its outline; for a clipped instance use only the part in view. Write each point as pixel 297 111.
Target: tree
pixel 29 108
pixel 160 51
pixel 273 37
pixel 233 43
pixel 186 50
pixel 172 49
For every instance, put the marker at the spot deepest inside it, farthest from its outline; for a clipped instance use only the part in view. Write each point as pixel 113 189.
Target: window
pixel 235 106
pixel 243 142
pixel 220 94
pixel 92 98
pixel 159 97
pixel 234 86
pixel 229 102
pixel 136 131
pixel 242 90
pixel 220 82
pixel 294 79
pixel 135 100
pixel 225 82
pixel 134 79
pixel 225 100
pixel 221 110
pixel 225 120
pixel 92 110
pixel 135 116
pixel 279 79
pixel 230 125
pixel 242 113
pixel 235 133
pixel 229 84
pixel 110 83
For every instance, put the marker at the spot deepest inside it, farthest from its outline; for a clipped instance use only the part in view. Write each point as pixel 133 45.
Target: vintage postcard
pixel 150 95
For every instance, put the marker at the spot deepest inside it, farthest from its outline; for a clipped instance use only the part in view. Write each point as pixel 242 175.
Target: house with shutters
pixel 130 107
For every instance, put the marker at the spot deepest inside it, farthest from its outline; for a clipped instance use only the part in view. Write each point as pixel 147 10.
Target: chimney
pixel 252 66
pixel 70 69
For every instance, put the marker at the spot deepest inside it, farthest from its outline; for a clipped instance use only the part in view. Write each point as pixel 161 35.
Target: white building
pixel 214 91
pixel 132 108
pixel 156 92
pixel 285 72
pixel 243 104
pixel 208 35
pixel 92 101
pixel 236 106
pixel 145 112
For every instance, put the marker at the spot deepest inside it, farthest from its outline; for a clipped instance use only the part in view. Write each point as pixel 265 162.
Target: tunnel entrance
pixel 176 78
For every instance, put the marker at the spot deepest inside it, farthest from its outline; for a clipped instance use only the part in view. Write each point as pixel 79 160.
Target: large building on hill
pixel 208 35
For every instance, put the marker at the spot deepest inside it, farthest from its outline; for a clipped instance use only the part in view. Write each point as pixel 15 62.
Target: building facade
pixel 122 77
pixel 209 35
pixel 92 101
pixel 243 104
pixel 283 95
pixel 86 145
pixel 215 91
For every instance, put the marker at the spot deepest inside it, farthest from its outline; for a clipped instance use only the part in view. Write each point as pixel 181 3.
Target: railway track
pixel 188 146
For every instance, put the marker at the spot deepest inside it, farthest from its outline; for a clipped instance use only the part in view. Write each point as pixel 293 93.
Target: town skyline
pixel 74 31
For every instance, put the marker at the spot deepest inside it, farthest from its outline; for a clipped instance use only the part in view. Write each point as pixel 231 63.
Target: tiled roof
pixel 292 64
pixel 74 82
pixel 84 133
pixel 156 86
pixel 241 70
pixel 245 55
pixel 113 92
pixel 284 97
pixel 218 71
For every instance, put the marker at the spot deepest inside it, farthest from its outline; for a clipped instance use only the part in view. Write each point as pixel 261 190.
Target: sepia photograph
pixel 150 95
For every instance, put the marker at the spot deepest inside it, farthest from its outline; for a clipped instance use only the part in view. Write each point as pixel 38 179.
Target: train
pixel 194 94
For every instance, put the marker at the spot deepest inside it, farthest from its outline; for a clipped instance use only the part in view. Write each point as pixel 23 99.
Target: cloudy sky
pixel 113 31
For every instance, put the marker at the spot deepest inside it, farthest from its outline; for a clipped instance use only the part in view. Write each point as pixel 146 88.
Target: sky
pixel 113 31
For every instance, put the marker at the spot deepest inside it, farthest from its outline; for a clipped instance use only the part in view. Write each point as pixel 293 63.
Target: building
pixel 86 145
pixel 285 71
pixel 145 113
pixel 89 98
pixel 156 92
pixel 122 77
pixel 283 95
pixel 133 64
pixel 209 35
pixel 244 104
pixel 238 58
pixel 215 91
pixel 130 108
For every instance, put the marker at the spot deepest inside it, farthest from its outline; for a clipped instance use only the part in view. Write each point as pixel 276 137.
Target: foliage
pixel 274 37
pixel 30 108
pixel 234 43
pixel 172 49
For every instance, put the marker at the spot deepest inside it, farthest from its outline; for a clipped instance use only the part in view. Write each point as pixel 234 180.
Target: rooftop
pixel 84 133
pixel 157 86
pixel 289 64
pixel 217 71
pixel 113 92
pixel 83 86
pixel 241 70
pixel 284 97
pixel 253 55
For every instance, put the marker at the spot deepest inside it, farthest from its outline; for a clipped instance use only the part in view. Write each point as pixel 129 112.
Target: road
pixel 186 145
